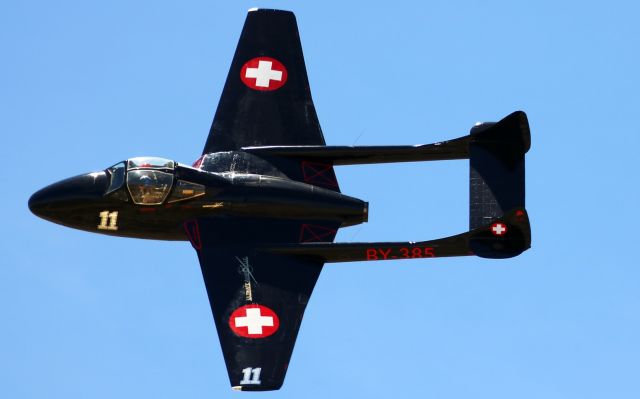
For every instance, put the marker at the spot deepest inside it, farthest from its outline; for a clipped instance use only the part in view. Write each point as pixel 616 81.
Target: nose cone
pixel 58 199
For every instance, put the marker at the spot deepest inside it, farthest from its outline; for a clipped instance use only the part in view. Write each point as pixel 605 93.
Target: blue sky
pixel 87 84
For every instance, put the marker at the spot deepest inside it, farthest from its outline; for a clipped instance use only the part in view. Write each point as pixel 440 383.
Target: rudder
pixel 497 168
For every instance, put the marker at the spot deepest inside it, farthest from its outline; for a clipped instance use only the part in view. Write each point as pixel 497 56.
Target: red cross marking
pixel 498 229
pixel 254 321
pixel 319 174
pixel 263 73
pixel 314 233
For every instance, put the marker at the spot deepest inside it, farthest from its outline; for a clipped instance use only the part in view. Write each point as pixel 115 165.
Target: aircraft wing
pixel 257 299
pixel 266 99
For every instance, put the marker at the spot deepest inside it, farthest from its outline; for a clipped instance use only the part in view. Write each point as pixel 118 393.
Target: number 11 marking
pixel 108 220
pixel 251 376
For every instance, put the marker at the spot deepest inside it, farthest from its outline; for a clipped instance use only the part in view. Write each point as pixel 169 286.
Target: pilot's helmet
pixel 146 180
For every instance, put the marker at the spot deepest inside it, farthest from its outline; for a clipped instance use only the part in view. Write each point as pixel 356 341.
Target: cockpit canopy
pixel 149 181
pixel 150 163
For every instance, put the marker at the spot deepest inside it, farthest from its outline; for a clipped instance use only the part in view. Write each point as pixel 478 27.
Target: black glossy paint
pixel 271 207
pixel 287 114
pixel 77 202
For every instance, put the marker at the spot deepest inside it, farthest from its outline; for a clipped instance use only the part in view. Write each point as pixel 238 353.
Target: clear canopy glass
pixel 116 177
pixel 149 186
pixel 150 163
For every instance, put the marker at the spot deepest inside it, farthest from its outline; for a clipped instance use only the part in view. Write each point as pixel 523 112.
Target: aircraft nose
pixel 57 197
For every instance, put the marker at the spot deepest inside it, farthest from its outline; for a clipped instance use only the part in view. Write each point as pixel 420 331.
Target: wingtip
pixel 269 10
pixel 246 388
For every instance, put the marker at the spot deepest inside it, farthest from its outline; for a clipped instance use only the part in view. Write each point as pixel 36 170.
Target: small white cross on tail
pixel 498 229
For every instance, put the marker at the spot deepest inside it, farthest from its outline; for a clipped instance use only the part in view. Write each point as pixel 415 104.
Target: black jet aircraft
pixel 262 205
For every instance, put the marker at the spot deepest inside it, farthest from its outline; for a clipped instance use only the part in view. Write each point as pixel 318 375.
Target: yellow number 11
pixel 108 220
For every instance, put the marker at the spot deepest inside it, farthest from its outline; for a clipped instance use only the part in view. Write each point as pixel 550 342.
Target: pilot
pixel 147 194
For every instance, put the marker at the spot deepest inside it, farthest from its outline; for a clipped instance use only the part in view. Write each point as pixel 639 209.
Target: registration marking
pixel 399 253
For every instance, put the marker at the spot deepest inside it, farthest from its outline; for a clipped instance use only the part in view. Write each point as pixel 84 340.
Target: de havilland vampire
pixel 262 205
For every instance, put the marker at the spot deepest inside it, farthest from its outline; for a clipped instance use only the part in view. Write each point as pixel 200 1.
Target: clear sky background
pixel 87 84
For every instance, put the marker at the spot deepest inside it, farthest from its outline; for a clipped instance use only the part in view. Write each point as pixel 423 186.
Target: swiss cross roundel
pixel 499 229
pixel 263 73
pixel 254 321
